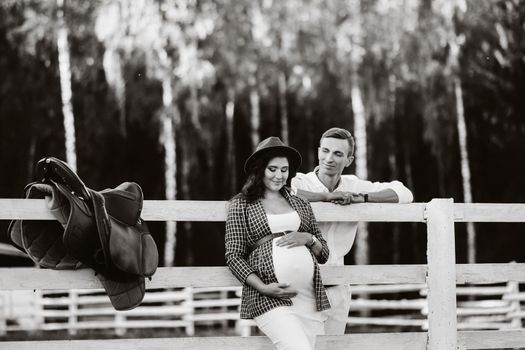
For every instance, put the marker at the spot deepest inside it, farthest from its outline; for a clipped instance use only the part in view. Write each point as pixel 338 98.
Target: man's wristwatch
pixel 312 242
pixel 365 197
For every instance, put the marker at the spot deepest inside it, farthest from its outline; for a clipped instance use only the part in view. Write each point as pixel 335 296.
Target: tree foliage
pixel 212 48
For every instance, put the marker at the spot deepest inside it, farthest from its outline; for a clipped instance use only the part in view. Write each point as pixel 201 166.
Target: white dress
pixel 294 265
pixel 292 327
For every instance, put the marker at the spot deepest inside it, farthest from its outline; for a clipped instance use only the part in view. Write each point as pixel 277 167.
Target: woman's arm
pixel 320 246
pixel 236 249
pixel 274 290
pixel 295 239
pixel 236 241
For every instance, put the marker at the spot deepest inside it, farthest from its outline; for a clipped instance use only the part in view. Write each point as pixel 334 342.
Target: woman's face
pixel 276 174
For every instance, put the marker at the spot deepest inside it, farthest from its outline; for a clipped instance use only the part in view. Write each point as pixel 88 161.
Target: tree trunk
pixel 185 178
pixel 168 117
pixel 114 77
pixel 31 158
pixel 358 111
pixel 189 146
pixel 255 112
pixel 64 65
pixel 460 7
pixel 405 140
pixel 195 108
pixel 311 155
pixel 231 185
pixel 194 91
pixel 362 253
pixel 282 83
pixel 392 89
pixel 465 167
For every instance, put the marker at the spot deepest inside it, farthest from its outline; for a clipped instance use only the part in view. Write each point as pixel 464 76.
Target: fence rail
pixel 188 308
pixel 440 274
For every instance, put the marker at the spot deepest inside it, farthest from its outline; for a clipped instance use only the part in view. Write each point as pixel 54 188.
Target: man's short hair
pixel 343 134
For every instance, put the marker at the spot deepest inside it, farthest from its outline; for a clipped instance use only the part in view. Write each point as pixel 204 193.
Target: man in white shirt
pixel 326 183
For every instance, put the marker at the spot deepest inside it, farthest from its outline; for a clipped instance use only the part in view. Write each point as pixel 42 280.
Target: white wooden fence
pixel 398 307
pixel 80 309
pixel 440 274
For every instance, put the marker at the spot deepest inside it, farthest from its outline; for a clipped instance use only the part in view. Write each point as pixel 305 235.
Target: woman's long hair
pixel 254 188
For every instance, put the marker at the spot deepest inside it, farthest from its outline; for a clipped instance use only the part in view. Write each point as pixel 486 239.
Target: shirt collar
pixel 316 172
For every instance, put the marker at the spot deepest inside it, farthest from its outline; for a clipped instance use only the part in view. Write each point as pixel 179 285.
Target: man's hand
pixel 294 239
pixel 278 290
pixel 345 198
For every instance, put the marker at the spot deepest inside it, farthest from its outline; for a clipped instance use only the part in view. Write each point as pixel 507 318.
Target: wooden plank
pixel 29 278
pixel 187 210
pixel 371 341
pixel 376 341
pixel 387 321
pixel 488 325
pixel 484 311
pixel 23 278
pixel 381 289
pixel 184 210
pixel 150 311
pixel 489 212
pixel 490 273
pixel 388 304
pixel 15 208
pixel 374 274
pixel 441 281
pixel 492 339
pixel 370 212
pixel 102 324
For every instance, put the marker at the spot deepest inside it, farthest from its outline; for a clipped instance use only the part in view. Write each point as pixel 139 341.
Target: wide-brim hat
pixel 273 143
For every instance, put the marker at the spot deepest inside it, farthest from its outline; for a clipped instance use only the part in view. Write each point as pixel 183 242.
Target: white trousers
pixel 288 329
pixel 340 298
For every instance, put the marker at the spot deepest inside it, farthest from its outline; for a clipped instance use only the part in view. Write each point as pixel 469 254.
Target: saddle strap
pixel 103 224
pixel 265 239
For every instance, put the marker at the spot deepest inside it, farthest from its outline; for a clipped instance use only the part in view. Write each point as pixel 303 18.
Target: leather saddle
pixel 101 230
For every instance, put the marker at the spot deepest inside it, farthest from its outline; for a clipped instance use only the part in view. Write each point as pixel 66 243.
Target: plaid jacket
pixel 246 223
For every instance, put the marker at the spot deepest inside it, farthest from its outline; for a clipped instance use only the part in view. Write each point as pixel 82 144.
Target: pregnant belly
pixel 294 266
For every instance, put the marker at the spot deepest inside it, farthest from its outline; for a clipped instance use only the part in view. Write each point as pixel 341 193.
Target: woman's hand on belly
pixel 278 290
pixel 294 239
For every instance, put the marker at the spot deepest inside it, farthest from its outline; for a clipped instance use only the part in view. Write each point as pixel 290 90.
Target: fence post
pixel 441 275
pixel 73 312
pixel 515 313
pixel 189 316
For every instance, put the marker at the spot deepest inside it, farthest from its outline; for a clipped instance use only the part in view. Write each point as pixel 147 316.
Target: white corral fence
pixel 442 278
pixel 400 307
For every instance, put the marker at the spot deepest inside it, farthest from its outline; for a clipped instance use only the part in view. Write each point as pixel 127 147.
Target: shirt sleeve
pixel 297 183
pixel 404 195
pixel 236 245
pixel 325 252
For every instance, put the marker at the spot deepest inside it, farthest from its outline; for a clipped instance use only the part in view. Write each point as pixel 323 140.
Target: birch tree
pixel 349 41
pixel 388 31
pixel 113 27
pixel 64 64
pixel 126 27
pixel 253 79
pixel 40 23
pixel 236 67
pixel 454 40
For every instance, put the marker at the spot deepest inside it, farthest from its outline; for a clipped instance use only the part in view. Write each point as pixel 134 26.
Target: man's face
pixel 333 156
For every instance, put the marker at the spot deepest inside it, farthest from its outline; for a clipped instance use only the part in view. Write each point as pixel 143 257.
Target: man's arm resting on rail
pixel 384 196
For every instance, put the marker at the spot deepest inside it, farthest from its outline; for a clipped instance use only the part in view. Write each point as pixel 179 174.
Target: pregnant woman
pixel 273 246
